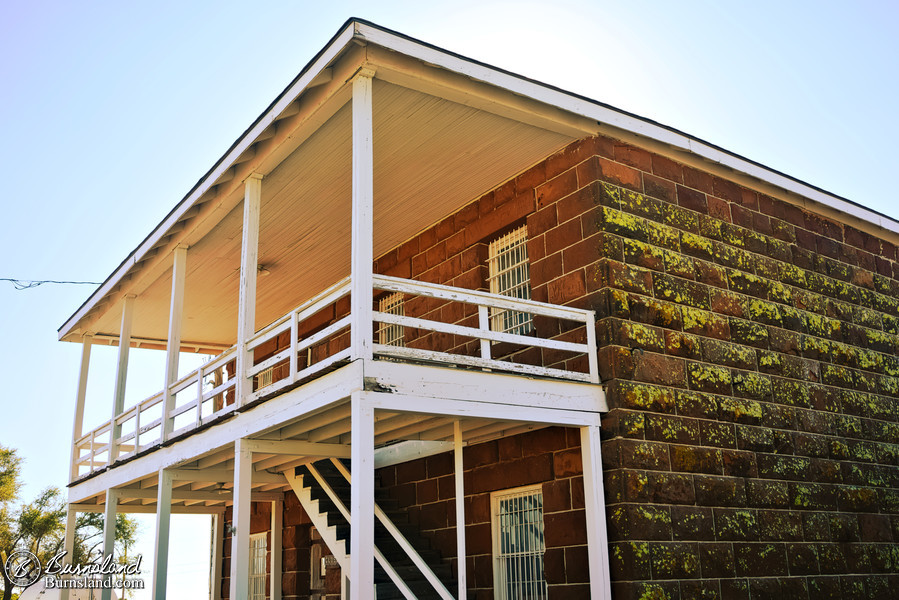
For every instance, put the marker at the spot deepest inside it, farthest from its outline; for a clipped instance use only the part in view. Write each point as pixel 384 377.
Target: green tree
pixel 39 526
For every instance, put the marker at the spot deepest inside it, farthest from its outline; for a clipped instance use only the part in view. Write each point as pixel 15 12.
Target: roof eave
pixel 341 40
pixel 606 117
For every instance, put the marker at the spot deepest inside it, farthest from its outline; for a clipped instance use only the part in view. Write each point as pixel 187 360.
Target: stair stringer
pixel 320 521
pixel 329 532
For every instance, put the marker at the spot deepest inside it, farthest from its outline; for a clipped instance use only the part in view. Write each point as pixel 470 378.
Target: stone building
pixel 651 367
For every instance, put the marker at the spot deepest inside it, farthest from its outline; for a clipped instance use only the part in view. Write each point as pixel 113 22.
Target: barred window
pixel 518 544
pixel 388 333
pixel 258 548
pixel 509 276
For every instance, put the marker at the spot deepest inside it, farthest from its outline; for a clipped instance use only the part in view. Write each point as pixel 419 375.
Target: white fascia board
pixel 311 77
pixel 606 115
pixel 467 409
pixel 476 386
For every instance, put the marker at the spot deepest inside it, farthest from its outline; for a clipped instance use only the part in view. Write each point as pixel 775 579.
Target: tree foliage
pixel 39 526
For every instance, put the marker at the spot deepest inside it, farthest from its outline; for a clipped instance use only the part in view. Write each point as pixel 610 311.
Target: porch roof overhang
pixel 446 130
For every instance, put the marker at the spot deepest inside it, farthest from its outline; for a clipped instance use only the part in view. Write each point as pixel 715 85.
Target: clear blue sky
pixel 111 111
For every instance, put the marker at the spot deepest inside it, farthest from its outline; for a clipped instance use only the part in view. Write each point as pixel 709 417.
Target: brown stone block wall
pixel 550 457
pixel 749 352
pixel 295 556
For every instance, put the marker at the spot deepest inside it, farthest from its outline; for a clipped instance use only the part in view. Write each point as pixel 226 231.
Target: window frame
pixel 254 575
pixel 512 280
pixel 500 590
pixel 390 334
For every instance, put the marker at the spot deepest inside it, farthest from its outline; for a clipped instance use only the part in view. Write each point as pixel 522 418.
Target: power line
pixel 24 284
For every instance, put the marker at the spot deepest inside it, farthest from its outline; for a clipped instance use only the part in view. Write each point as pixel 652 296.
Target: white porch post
pixel 109 520
pixel 594 498
pixel 277 518
pixel 249 256
pixel 80 396
pixel 240 518
pixel 362 500
pixel 362 258
pixel 163 526
pixel 218 542
pixel 173 344
pixel 69 543
pixel 460 509
pixel 118 402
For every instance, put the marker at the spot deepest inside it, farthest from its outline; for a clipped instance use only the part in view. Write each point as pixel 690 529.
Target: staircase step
pixel 315 498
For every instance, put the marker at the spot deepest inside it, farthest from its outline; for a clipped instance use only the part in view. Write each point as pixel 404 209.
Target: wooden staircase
pixel 323 489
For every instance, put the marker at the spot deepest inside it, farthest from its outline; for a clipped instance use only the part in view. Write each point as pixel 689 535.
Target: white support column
pixel 240 517
pixel 118 401
pixel 459 473
pixel 109 520
pixel 69 542
pixel 362 500
pixel 80 396
pixel 218 542
pixel 362 259
pixel 594 498
pixel 249 265
pixel 163 526
pixel 277 524
pixel 173 344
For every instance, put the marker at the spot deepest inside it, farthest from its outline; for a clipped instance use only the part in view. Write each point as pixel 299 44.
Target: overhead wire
pixel 24 284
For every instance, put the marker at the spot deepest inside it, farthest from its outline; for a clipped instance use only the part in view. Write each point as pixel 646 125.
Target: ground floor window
pixel 258 547
pixel 518 544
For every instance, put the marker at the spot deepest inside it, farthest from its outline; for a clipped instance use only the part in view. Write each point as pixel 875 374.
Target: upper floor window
pixel 518 544
pixel 391 334
pixel 509 276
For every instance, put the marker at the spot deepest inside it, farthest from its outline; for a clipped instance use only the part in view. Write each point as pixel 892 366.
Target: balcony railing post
pixel 484 324
pixel 80 396
pixel 93 455
pixel 361 330
pixel 249 256
pixel 118 403
pixel 592 357
pixel 199 396
pixel 137 430
pixel 173 345
pixel 294 333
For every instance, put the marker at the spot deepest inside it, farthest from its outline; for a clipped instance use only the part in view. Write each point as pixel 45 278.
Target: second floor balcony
pixel 437 325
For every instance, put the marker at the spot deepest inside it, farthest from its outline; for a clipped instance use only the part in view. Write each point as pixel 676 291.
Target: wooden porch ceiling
pixel 432 156
pixel 213 484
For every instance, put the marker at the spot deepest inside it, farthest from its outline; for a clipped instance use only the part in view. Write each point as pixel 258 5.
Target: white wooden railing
pixel 207 394
pixel 486 301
